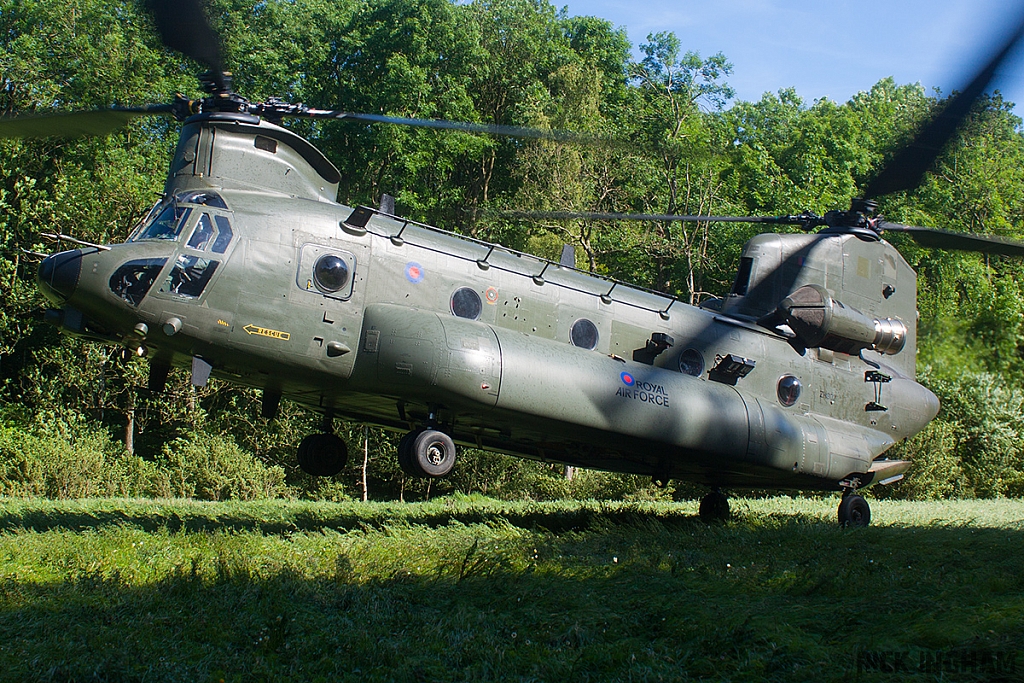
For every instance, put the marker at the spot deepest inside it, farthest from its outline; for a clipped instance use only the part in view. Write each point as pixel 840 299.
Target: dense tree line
pixel 76 420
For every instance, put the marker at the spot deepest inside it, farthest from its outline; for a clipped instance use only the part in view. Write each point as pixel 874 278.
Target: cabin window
pixel 189 277
pixel 325 271
pixel 466 303
pixel 742 282
pixel 691 362
pixel 133 280
pixel 788 390
pixel 330 273
pixel 583 334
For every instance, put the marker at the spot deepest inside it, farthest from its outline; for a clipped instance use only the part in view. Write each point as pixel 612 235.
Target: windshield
pixel 166 225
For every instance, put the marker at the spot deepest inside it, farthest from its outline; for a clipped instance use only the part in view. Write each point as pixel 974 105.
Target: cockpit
pixel 200 225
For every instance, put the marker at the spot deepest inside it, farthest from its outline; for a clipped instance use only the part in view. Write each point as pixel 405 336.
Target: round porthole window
pixel 583 334
pixel 789 390
pixel 691 363
pixel 466 303
pixel 330 272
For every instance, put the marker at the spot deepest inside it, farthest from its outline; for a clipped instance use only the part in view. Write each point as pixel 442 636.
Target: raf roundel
pixel 627 379
pixel 414 272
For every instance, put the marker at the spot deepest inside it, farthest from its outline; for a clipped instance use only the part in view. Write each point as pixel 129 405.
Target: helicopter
pixel 250 271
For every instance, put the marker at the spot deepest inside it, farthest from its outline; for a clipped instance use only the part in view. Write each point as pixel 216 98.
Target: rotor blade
pixel 906 170
pixel 183 27
pixel 77 123
pixel 935 238
pixel 599 216
pixel 488 128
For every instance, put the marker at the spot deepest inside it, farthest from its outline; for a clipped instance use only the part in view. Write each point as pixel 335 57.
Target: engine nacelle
pixel 819 320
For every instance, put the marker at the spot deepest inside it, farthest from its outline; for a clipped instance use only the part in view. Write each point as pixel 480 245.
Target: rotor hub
pixel 859 220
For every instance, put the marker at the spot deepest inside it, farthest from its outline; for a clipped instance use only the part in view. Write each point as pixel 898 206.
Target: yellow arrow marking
pixel 264 332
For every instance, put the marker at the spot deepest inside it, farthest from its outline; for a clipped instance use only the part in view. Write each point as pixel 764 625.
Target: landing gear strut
pixel 324 454
pixel 714 507
pixel 854 511
pixel 426 453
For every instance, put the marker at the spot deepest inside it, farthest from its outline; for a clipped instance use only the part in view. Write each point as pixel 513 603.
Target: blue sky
pixel 829 48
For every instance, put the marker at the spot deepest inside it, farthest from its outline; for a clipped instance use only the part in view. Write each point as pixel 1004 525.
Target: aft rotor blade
pixel 600 216
pixel 935 238
pixel 76 124
pixel 466 127
pixel 906 170
pixel 183 27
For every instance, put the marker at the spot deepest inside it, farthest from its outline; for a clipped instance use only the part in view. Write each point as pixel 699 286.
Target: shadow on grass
pixel 613 595
pixel 242 517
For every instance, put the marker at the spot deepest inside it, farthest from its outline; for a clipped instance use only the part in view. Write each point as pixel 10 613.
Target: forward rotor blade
pixel 935 238
pixel 183 27
pixel 76 124
pixel 906 170
pixel 465 127
pixel 599 216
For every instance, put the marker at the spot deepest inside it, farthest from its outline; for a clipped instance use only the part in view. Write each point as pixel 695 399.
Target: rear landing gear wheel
pixel 714 507
pixel 854 511
pixel 426 453
pixel 322 455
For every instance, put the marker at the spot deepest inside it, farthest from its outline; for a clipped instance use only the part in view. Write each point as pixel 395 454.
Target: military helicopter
pixel 248 270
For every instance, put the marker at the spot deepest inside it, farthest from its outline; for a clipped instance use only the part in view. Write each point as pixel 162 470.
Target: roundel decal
pixel 627 379
pixel 491 295
pixel 414 272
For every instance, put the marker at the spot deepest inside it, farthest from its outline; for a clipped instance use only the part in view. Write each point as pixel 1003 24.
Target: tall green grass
pixel 469 589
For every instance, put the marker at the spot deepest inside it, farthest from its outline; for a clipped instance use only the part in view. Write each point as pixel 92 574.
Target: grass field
pixel 479 590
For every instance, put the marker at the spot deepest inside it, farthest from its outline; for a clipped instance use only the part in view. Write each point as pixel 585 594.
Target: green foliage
pixel 937 473
pixel 68 461
pixel 973 449
pixel 214 468
pixel 987 418
pixel 507 478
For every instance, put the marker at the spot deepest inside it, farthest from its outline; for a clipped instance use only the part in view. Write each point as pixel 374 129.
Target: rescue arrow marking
pixel 264 332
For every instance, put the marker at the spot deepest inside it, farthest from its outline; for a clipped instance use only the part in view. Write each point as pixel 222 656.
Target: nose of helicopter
pixel 58 275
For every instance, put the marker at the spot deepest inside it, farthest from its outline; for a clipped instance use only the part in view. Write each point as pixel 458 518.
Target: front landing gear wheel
pixel 714 507
pixel 322 455
pixel 854 511
pixel 427 453
pixel 405 454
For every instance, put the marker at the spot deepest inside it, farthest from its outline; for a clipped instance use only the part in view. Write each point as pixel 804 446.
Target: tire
pixel 854 511
pixel 322 455
pixel 714 507
pixel 405 454
pixel 432 453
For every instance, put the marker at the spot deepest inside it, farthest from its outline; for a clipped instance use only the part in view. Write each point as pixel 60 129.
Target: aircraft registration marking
pixel 265 332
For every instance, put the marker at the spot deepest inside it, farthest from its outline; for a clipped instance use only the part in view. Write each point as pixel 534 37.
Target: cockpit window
pixel 167 225
pixel 166 220
pixel 204 197
pixel 133 280
pixel 202 233
pixel 215 231
pixel 224 234
pixel 742 282
pixel 189 276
